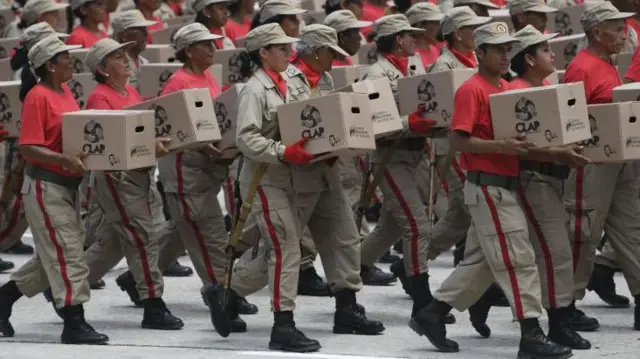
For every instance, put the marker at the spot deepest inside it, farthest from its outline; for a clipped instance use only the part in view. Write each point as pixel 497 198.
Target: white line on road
pixel 315 356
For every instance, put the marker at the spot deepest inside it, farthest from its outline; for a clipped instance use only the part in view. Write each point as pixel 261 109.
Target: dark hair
pixel 329 7
pixel 483 47
pixel 401 6
pixel 29 80
pixel 203 19
pixel 19 58
pixel 518 64
pixel 181 56
pixel 234 6
pixel 385 43
pixel 255 22
pixel 100 78
pixel 251 62
pixel 516 23
pixel 448 38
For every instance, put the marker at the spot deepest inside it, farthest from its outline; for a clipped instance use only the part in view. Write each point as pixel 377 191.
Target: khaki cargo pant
pixel 52 213
pixel 13 223
pixel 541 199
pixel 607 256
pixel 604 197
pixel 497 248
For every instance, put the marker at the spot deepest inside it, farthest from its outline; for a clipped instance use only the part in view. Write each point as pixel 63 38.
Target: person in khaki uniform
pixel 498 244
pixel 480 7
pixel 602 196
pixel 50 192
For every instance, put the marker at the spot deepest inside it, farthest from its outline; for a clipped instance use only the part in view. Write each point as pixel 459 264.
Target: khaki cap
pixel 495 33
pixel 423 11
pixel 100 50
pixel 265 35
pixel 485 3
pixel 34 8
pixel 391 25
pixel 343 20
pixel 600 12
pixel 129 19
pixel 192 33
pixel 37 32
pixel 460 17
pixel 199 5
pixel 318 35
pixel 529 36
pixel 273 8
pixel 46 49
pixel 78 3
pixel 521 6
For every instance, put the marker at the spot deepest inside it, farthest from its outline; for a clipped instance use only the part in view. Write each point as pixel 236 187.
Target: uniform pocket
pixel 512 249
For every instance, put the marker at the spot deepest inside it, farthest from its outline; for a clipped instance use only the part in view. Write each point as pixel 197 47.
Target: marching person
pixel 426 16
pixel 348 28
pixel 50 192
pixel 498 236
pixel 529 12
pixel 214 15
pixel 480 7
pixel 91 13
pixel 35 11
pixel 240 15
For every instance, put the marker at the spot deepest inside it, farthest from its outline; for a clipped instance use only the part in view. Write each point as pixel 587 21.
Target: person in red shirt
pixel 240 15
pixel 35 11
pixel 426 16
pixel 50 191
pixel 214 15
pixel 355 6
pixel 529 12
pixel 348 28
pixel 91 13
pixel 148 8
pixel 596 185
pixel 498 234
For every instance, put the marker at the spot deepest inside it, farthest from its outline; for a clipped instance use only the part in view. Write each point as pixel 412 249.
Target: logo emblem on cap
pixel 501 28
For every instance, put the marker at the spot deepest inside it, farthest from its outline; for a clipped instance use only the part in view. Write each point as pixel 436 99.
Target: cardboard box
pixel 114 140
pixel 622 62
pixel 6 45
pixel 337 124
pixel 314 17
pixel 503 16
pixel 382 105
pixel 550 116
pixel 231 62
pixel 567 20
pixel 435 91
pixel 226 108
pixel 345 75
pixel 565 48
pixel 616 132
pixel 77 58
pixel 627 92
pixel 164 36
pixel 81 86
pixel 560 76
pixel 312 5
pixel 6 74
pixel 159 54
pixel 10 107
pixel 367 54
pixel 186 117
pixel 216 70
pixel 153 77
pixel 553 78
pixel 240 42
pixel 6 17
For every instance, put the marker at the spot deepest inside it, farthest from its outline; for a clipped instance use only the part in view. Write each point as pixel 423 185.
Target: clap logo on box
pixel 78 91
pixel 563 23
pixel 161 117
pixel 525 113
pixel 570 51
pixel 163 78
pixel 311 122
pixel 93 135
pixel 427 96
pixel 595 139
pixel 77 67
pixel 222 115
pixel 5 106
pixel 3 53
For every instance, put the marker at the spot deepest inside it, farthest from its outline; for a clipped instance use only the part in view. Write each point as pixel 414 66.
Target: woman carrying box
pixel 214 15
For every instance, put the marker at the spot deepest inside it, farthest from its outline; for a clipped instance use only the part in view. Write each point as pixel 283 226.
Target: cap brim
pixel 122 46
pixel 58 7
pixel 412 29
pixel 476 21
pixel 339 50
pixel 487 3
pixel 547 37
pixel 143 23
pixel 62 35
pixel 542 8
pixel 70 47
pixel 620 16
pixel 284 40
pixel 360 24
pixel 294 12
pixel 208 37
pixel 504 39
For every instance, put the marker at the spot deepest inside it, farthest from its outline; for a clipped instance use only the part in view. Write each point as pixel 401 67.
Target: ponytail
pixel 255 22
pixel 19 59
pixel 250 61
pixel 29 80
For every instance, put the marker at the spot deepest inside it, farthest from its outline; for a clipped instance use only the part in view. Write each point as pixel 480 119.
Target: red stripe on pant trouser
pixel 13 221
pixel 456 167
pixel 502 240
pixel 231 203
pixel 364 173
pixel 187 217
pixel 68 298
pixel 577 229
pixel 415 264
pixel 277 271
pixel 544 246
pixel 134 233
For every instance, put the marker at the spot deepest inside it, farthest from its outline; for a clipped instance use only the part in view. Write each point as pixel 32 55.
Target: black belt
pixel 38 173
pixel 546 168
pixel 409 144
pixel 489 179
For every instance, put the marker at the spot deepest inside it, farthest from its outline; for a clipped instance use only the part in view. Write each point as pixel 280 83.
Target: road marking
pixel 309 355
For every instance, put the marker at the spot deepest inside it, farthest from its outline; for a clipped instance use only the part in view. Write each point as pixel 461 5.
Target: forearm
pixel 540 155
pixel 41 154
pixel 467 143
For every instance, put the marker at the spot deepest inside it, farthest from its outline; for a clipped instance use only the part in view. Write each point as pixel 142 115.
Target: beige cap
pixel 495 33
pixel 37 32
pixel 343 20
pixel 318 35
pixel 46 49
pixel 34 8
pixel 199 5
pixel 528 36
pixel 77 3
pixel 459 17
pixel 100 50
pixel 485 3
pixel 273 8
pixel 265 35
pixel 600 12
pixel 192 33
pixel 124 20
pixel 423 11
pixel 391 25
pixel 521 6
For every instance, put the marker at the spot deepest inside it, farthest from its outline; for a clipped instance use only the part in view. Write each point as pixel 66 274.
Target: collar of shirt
pixel 469 60
pixel 312 76
pixel 400 62
pixel 278 80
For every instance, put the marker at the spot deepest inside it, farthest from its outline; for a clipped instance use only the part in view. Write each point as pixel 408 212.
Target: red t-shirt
pixel 599 76
pixel 42 122
pixel 240 30
pixel 472 115
pixel 228 32
pixel 634 24
pixel 347 62
pixel 104 97
pixel 155 27
pixel 371 13
pixel 428 56
pixel 519 83
pixel 633 72
pixel 182 80
pixel 82 36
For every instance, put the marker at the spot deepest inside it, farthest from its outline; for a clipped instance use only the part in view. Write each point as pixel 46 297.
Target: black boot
pixel 310 283
pixel 219 319
pixel 20 248
pixel 286 337
pixel 479 311
pixel 422 296
pixel 458 252
pixel 127 284
pixel 602 283
pixel 232 310
pixel 389 258
pixel 49 297
pixel 636 314
pixel 375 276
pixel 177 270
pixel 9 294
pixel 535 345
pixel 157 316
pixel 561 332
pixel 430 322
pixel 99 284
pixel 244 307
pixel 397 269
pixel 398 247
pixel 5 265
pixel 348 319
pixel 77 330
pixel 580 321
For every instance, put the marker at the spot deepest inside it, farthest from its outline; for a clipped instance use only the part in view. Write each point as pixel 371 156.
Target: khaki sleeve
pixel 249 138
pixel 440 66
